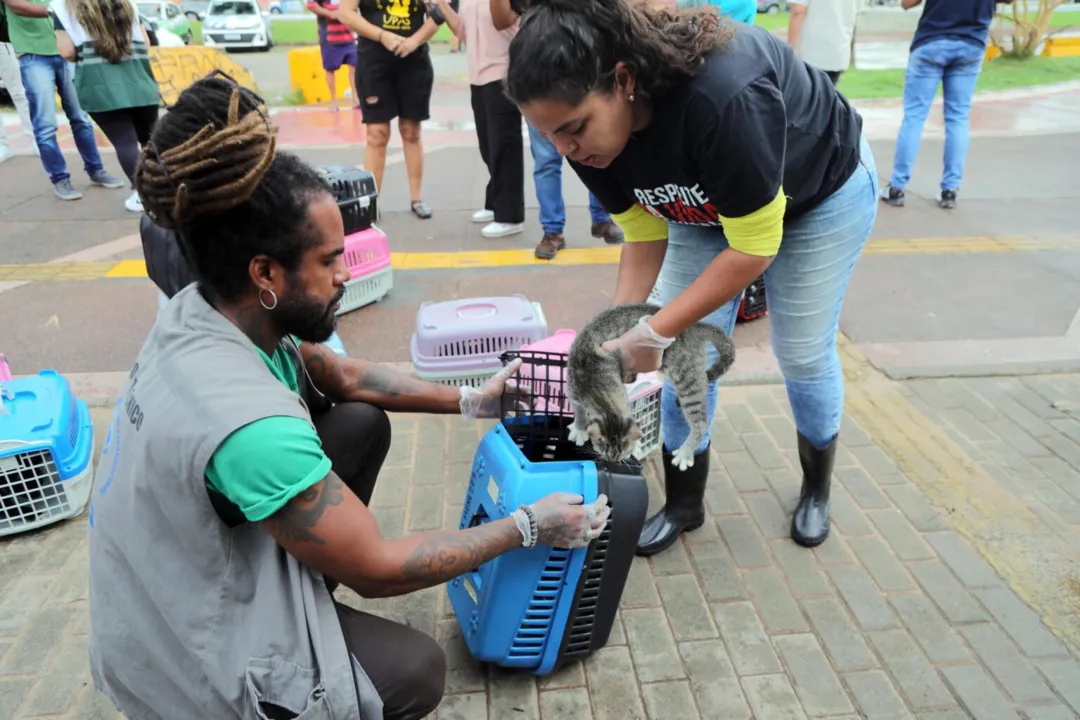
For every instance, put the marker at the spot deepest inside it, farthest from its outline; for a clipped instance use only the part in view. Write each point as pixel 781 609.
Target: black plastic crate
pixel 754 303
pixel 356 195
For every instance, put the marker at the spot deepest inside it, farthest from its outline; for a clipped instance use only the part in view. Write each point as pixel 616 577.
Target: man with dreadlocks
pixel 231 494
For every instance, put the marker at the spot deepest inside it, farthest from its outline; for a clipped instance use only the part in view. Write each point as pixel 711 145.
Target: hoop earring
pixel 263 303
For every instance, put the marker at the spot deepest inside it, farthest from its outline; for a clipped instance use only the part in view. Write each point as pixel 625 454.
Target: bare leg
pixel 414 156
pixel 378 135
pixel 352 81
pixel 331 82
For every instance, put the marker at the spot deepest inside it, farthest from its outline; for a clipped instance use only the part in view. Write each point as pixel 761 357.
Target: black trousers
pixel 128 129
pixel 498 128
pixel 407 667
pixel 834 75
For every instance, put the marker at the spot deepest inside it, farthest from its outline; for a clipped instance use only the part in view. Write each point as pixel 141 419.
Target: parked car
pixel 237 25
pixel 159 36
pixel 286 7
pixel 771 6
pixel 195 9
pixel 169 16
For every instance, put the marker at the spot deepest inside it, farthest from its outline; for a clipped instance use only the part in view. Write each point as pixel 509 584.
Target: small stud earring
pixel 631 97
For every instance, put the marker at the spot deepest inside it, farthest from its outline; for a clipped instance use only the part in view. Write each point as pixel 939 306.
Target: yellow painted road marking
pixel 522 257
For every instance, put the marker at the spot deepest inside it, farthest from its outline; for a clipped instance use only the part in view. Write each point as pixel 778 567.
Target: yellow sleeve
pixel 639 225
pixel 760 232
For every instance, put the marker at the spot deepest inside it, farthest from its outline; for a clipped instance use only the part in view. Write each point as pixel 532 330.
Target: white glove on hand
pixel 487 401
pixel 564 522
pixel 640 348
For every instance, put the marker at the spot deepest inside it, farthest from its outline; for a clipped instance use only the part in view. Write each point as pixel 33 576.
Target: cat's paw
pixel 578 436
pixel 638 451
pixel 683 457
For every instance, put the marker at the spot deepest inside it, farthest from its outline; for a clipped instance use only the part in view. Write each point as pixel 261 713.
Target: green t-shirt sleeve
pixel 263 465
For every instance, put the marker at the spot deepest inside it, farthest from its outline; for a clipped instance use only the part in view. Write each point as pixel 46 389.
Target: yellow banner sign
pixel 176 68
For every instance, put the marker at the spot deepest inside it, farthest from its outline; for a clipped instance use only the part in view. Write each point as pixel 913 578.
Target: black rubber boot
pixel 684 507
pixel 810 523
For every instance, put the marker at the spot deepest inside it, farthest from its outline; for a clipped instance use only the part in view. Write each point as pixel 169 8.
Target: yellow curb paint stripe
pixel 128 269
pixel 521 257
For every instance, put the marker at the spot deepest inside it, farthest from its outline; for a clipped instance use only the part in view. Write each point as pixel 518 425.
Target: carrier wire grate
pixel 30 489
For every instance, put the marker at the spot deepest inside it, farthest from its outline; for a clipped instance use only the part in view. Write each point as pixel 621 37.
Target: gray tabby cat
pixel 597 392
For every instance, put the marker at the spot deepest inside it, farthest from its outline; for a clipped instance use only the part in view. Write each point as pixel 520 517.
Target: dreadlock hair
pixel 109 24
pixel 565 49
pixel 211 172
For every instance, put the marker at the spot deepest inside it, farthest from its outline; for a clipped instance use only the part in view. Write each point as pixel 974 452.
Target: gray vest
pixel 190 618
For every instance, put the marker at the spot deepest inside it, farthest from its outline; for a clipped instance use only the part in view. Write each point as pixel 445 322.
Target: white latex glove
pixel 564 522
pixel 640 348
pixel 487 401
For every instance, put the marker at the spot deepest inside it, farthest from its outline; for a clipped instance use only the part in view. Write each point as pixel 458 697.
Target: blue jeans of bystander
pixel 955 66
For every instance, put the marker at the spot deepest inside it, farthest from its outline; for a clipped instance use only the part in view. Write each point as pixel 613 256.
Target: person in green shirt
pixel 44 74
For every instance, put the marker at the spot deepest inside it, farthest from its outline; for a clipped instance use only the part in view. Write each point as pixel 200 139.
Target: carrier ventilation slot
pixel 584 616
pixel 536 625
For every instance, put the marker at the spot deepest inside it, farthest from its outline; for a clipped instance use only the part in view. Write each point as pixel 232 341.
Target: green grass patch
pixel 305 32
pixel 1000 74
pixel 773 22
pixel 1060 19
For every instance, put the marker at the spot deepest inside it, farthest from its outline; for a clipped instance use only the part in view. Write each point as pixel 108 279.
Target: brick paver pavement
pixel 956 507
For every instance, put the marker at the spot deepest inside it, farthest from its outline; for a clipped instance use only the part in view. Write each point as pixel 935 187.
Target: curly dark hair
pixel 211 173
pixel 565 49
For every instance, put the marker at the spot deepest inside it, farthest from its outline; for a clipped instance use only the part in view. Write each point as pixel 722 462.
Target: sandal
pixel 420 209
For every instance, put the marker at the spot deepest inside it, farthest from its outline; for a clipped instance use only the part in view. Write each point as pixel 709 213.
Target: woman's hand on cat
pixel 562 520
pixel 640 349
pixel 487 401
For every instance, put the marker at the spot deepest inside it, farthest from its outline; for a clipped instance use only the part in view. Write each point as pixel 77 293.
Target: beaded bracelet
pixel 525 519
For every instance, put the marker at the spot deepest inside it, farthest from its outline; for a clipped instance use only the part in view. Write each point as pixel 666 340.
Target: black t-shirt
pixel 966 20
pixel 401 17
pixel 722 143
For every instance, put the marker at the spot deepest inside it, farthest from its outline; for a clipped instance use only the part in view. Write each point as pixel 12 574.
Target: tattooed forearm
pixel 316 369
pixel 392 390
pixel 442 555
pixel 297 520
pixel 351 379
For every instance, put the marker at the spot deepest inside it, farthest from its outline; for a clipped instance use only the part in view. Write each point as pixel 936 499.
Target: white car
pixel 236 25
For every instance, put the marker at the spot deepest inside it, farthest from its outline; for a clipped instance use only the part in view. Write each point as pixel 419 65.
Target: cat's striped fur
pixel 596 389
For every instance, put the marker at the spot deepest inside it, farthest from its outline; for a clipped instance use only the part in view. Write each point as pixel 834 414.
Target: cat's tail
pixel 724 346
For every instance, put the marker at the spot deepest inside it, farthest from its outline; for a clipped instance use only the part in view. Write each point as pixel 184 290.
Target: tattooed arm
pixel 344 378
pixel 327 528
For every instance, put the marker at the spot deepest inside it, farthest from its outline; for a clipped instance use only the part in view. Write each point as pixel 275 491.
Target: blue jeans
pixel 955 65
pixel 547 175
pixel 805 285
pixel 43 76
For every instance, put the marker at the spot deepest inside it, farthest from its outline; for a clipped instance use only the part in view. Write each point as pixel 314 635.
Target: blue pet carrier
pixel 538 608
pixel 46 443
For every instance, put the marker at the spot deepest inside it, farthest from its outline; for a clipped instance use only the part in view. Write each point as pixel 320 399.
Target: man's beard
pixel 307 319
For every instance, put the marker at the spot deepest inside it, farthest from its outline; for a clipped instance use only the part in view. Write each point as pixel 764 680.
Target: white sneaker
pixel 483 216
pixel 134 203
pixel 497 229
pixel 6 154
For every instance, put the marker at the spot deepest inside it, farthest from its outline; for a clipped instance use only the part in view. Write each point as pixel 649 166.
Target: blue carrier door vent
pixel 46 443
pixel 513 609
